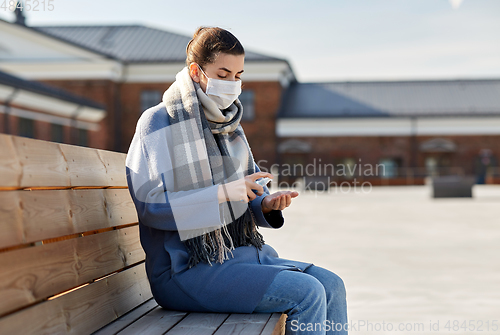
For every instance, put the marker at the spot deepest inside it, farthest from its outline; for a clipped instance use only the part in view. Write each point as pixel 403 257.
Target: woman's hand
pixel 278 200
pixel 252 185
pixel 241 189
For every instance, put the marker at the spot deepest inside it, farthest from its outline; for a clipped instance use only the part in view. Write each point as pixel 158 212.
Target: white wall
pixel 312 127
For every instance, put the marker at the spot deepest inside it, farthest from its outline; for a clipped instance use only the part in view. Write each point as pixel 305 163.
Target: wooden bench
pixel 71 261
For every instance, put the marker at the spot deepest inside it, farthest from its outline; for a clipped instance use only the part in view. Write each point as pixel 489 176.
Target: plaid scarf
pixel 205 153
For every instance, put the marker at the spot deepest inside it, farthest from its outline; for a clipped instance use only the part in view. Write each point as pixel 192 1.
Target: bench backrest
pixel 70 255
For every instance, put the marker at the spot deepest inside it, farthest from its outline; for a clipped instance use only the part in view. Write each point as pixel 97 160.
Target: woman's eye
pixel 222 77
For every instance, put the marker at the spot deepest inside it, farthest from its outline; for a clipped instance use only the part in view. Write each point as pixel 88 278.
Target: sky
pixel 324 40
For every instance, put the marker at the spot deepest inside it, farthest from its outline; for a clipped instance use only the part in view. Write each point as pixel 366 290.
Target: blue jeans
pixel 314 300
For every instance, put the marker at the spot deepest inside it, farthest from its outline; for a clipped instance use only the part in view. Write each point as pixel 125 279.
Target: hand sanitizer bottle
pixel 263 181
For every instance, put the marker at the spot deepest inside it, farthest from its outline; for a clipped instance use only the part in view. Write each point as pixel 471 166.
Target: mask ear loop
pixel 202 71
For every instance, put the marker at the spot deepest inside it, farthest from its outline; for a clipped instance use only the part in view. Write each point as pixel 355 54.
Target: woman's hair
pixel 208 42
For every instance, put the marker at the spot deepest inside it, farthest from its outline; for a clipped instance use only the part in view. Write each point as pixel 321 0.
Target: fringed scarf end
pixel 215 247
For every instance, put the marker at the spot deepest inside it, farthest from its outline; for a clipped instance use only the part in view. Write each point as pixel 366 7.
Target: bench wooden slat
pixel 10 168
pixel 84 310
pixel 156 322
pixel 47 214
pixel 199 324
pixel 11 219
pixel 31 216
pixel 27 162
pixel 136 322
pixel 32 274
pixel 243 324
pixel 114 162
pixel 127 319
pixel 275 325
pixel 85 167
pixel 42 163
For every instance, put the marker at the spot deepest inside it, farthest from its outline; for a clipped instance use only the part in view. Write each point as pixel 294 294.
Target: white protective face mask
pixel 222 92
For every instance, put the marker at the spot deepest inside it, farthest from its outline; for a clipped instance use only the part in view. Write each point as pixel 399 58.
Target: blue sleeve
pixel 156 210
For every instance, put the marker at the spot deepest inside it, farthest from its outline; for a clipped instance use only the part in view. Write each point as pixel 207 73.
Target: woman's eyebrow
pixel 223 68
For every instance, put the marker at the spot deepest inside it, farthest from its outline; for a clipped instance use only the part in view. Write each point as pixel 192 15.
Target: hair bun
pixel 198 31
pixel 208 42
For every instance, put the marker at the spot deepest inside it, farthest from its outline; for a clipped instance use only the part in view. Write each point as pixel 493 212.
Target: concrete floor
pixel 405 258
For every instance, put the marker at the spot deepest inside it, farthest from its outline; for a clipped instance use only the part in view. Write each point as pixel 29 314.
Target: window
pixel 26 127
pixel 247 99
pixel 82 139
pixel 388 167
pixel 149 98
pixel 431 166
pixel 57 133
pixel 348 164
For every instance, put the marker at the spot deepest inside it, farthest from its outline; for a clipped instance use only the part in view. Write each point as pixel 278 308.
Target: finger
pixel 288 200
pixel 261 174
pixel 258 188
pixel 277 203
pixel 251 195
pixel 283 202
pixel 273 204
pixel 294 194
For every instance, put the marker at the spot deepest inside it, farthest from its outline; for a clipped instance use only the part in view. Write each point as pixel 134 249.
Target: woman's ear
pixel 194 72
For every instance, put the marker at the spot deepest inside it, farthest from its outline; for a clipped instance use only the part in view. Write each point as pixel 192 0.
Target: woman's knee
pixel 332 283
pixel 337 286
pixel 313 288
pixel 303 288
pixel 299 291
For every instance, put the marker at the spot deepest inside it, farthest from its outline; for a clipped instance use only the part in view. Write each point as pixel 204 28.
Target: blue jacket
pixel 238 284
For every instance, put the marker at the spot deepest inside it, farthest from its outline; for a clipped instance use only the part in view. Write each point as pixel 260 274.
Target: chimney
pixel 20 18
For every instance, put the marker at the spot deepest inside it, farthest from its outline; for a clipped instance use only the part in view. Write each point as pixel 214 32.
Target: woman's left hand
pixel 278 200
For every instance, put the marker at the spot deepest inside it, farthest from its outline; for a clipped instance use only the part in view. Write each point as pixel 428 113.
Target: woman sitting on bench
pixel 195 185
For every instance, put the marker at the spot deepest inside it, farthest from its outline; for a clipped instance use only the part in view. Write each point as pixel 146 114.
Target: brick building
pixel 408 129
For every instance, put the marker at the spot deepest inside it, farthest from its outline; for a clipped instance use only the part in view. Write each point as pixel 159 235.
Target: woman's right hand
pixel 252 185
pixel 242 189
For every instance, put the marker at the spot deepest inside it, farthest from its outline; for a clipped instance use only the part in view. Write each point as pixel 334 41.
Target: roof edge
pixel 389 81
pixel 76 45
pixel 41 88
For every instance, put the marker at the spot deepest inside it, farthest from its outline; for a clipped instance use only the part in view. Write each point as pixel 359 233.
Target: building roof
pixel 43 89
pixel 392 98
pixel 131 43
